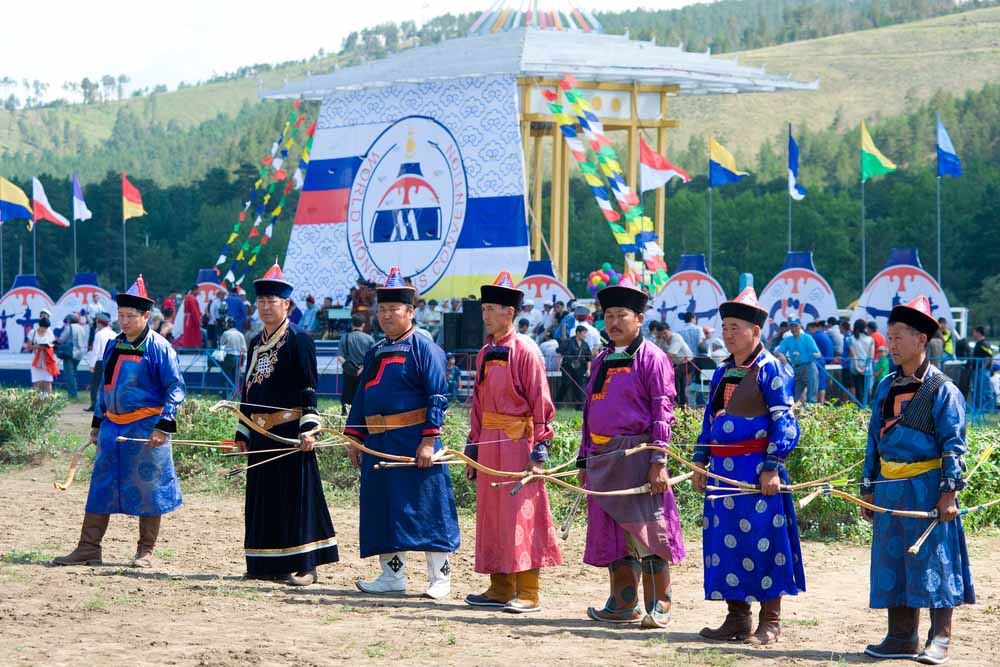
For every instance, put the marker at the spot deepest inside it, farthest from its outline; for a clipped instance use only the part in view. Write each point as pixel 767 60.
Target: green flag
pixel 873 162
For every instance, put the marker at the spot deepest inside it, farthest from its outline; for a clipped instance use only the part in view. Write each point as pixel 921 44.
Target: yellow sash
pixel 515 426
pixel 897 470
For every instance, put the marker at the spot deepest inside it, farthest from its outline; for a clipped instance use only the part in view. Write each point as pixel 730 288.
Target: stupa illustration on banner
pixel 410 209
pixel 797 291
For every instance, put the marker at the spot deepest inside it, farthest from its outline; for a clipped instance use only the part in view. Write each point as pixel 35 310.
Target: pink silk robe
pixel 513 533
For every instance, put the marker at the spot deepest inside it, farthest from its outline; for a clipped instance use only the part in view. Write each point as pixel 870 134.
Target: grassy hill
pixel 869 74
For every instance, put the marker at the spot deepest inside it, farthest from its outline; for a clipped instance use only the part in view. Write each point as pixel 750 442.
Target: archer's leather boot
pixel 526 599
pixel 149 530
pixel 393 577
pixel 938 638
pixel 503 588
pixel 736 627
pixel 768 624
pixel 88 550
pixel 656 592
pixel 902 642
pixel 622 606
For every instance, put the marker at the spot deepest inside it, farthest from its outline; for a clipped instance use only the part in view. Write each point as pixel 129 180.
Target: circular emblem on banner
pixel 408 202
pixel 800 293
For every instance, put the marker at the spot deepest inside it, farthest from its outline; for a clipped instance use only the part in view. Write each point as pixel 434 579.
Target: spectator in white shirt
pixel 103 335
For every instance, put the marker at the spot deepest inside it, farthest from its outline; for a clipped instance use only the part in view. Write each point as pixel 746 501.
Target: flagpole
pixel 789 221
pixel 76 267
pixel 864 258
pixel 2 282
pixel 34 248
pixel 124 260
pixel 939 230
pixel 710 229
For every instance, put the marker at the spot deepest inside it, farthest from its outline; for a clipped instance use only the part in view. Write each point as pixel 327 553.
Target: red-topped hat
pixel 395 289
pixel 744 307
pixel 502 292
pixel 136 297
pixel 917 314
pixel 273 284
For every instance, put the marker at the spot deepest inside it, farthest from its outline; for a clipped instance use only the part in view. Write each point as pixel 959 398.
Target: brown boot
pixel 502 589
pixel 149 530
pixel 768 625
pixel 88 550
pixel 902 641
pixel 622 606
pixel 736 627
pixel 656 592
pixel 938 639
pixel 526 599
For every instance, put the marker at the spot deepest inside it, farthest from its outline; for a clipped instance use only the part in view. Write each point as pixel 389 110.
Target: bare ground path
pixel 194 609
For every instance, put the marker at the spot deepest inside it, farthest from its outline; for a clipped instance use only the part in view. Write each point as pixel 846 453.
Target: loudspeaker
pixel 452 324
pixel 472 325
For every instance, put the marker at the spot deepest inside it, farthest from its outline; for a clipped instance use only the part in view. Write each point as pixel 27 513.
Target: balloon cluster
pixel 603 277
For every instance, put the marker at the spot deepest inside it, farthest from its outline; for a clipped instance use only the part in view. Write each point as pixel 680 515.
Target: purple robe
pixel 629 394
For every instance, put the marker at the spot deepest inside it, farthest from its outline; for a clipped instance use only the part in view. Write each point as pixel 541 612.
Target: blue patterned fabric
pixel 403 509
pixel 751 543
pixel 131 477
pixel 939 575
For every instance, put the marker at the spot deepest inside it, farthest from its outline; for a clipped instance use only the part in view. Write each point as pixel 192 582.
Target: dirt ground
pixel 194 609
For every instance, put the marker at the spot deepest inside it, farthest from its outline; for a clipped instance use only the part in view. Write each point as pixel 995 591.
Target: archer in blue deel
pixel 914 461
pixel 133 419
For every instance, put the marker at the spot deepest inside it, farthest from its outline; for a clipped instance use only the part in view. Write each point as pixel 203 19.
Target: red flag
pixel 131 200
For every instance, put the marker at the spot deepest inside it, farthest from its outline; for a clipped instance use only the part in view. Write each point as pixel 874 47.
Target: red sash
pixel 755 446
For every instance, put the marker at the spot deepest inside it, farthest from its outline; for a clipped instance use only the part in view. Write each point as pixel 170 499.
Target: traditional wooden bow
pixel 73 465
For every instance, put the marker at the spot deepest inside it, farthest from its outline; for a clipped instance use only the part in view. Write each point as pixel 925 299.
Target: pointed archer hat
pixel 273 284
pixel 502 292
pixel 395 289
pixel 917 314
pixel 744 307
pixel 136 297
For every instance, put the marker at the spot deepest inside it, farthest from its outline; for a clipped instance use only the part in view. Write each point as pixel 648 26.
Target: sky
pixel 166 42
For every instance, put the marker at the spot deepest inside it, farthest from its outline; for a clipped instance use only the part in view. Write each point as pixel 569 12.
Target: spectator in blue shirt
pixel 308 321
pixel 816 329
pixel 236 308
pixel 800 352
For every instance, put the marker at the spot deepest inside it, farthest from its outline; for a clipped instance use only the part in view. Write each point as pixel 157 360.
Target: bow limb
pixel 695 469
pixel 827 478
pixel 915 514
pixel 915 547
pixel 639 490
pixel 73 464
pixel 249 423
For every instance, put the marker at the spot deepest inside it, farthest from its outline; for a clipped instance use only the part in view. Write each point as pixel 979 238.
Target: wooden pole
pixel 555 201
pixel 536 202
pixel 661 199
pixel 564 211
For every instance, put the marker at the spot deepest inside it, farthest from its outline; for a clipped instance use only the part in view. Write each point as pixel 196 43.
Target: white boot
pixel 438 575
pixel 393 577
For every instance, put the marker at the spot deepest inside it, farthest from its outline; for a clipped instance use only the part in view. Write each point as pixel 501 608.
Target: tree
pixel 107 86
pixel 122 80
pixel 89 90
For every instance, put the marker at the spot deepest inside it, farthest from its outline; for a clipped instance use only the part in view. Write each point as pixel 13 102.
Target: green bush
pixel 27 420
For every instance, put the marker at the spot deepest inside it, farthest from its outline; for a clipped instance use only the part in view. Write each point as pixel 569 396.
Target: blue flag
pixel 795 191
pixel 948 163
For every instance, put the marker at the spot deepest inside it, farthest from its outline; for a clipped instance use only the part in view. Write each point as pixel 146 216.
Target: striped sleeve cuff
pixel 308 422
pixel 355 434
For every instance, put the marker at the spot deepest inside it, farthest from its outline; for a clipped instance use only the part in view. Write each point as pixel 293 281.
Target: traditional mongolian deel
pixel 143 389
pixel 402 398
pixel 916 440
pixel 427 176
pixel 751 542
pixel 288 525
pixel 629 402
pixel 511 413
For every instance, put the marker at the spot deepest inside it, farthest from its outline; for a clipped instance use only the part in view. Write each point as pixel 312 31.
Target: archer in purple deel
pixel 630 403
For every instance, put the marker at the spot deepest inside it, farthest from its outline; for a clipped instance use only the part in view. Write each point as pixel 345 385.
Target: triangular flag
pixel 80 210
pixel 395 278
pixel 503 280
pixel 41 207
pixel 131 201
pixel 138 288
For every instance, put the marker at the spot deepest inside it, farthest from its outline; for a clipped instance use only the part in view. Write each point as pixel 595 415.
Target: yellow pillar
pixel 536 202
pixel 555 201
pixel 564 211
pixel 661 148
